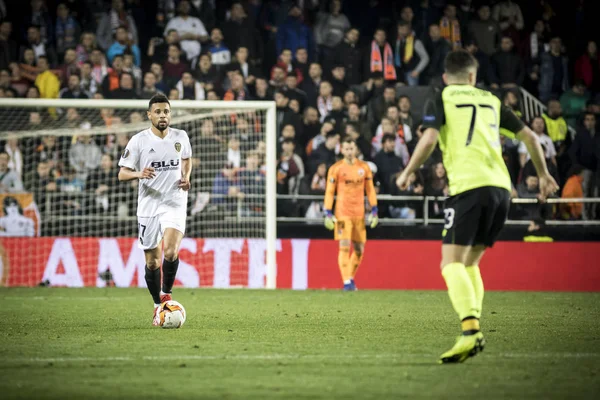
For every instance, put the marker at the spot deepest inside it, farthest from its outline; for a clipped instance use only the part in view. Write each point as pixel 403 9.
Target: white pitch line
pixel 286 357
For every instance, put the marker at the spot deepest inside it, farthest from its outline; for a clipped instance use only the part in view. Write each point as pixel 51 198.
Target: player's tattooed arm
pixel 127 174
pixel 186 171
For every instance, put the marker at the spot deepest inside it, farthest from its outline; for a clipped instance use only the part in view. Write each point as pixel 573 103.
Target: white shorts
pixel 152 229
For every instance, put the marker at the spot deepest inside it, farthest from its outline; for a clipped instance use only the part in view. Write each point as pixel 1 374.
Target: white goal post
pixel 261 115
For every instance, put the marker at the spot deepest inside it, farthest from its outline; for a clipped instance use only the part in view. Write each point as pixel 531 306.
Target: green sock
pixel 475 276
pixel 460 290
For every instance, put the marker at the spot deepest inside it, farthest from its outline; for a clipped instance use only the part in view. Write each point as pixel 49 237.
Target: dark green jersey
pixel 469 122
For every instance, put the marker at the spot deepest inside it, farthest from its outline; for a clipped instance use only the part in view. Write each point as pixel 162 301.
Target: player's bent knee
pixel 171 254
pixel 153 263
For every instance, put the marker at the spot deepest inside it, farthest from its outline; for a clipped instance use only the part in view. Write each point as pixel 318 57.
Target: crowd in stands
pixel 334 68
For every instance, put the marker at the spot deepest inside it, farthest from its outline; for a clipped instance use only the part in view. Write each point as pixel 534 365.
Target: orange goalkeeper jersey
pixel 351 181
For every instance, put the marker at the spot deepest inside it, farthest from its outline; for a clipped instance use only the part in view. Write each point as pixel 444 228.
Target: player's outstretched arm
pixel 128 174
pixel 548 185
pixel 186 172
pixel 425 147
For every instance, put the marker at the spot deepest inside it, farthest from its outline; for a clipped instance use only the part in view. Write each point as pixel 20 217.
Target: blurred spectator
pixel 103 182
pixel 129 66
pixel 18 80
pixel 227 189
pixel 240 31
pixel 116 17
pixel 554 72
pixel 234 155
pixel 206 73
pixel 47 82
pixel 425 15
pixel 377 106
pixel 69 183
pixel 291 87
pixel 538 126
pixel 437 48
pixel 324 100
pixel 191 32
pixel 40 17
pixel 86 45
pixel 121 44
pixel 410 56
pixel 158 48
pixel 573 190
pixel 68 67
pixel 406 209
pixel 390 125
pixel 436 184
pixel 149 89
pixel 157 70
pixel 309 128
pixel 39 182
pixel 529 188
pixel 293 33
pixel 73 89
pixel 189 88
pixel 47 151
pixel 509 15
pixel 325 153
pixel 355 117
pixel 9 50
pixel 262 91
pixel 300 63
pixel 556 126
pixel 536 43
pixel 84 156
pixel 204 11
pixel 67 29
pixel 483 69
pixel 587 68
pixel 99 67
pixel 126 89
pixel 285 62
pixel 363 145
pixel 330 28
pixel 87 81
pixel 219 52
pixel 110 82
pixel 253 182
pixel 40 48
pixel 507 69
pixel 16 156
pixel 318 185
pixel 388 163
pixel 585 152
pixel 450 27
pixel 338 80
pixel 573 103
pixel 379 58
pixel 348 54
pixel 310 85
pixel 485 32
pixel 249 72
pixel 290 172
pixel 511 100
pixel 284 114
pixel 237 91
pixel 174 67
pixel 9 180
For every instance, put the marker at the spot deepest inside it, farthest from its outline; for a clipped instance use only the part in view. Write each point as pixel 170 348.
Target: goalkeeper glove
pixel 373 219
pixel 329 220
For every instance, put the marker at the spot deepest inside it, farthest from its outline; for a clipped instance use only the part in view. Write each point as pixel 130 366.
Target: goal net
pixel 66 220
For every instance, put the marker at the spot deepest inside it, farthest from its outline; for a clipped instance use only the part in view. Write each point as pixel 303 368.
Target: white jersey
pixel 160 194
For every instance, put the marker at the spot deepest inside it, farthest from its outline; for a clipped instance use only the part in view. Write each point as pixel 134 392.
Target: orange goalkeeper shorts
pixel 351 229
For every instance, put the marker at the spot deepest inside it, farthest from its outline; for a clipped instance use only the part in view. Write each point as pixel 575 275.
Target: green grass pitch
pixel 246 344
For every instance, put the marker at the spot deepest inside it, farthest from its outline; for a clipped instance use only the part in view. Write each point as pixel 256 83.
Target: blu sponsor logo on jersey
pixel 165 165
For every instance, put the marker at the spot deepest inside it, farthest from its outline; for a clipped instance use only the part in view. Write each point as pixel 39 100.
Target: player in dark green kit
pixel 466 122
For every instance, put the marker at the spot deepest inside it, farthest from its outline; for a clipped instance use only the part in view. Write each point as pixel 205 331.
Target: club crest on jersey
pixel 178 147
pixel 125 153
pixel 361 172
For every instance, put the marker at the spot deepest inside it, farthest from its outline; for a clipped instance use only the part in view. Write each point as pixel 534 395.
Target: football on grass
pixel 172 315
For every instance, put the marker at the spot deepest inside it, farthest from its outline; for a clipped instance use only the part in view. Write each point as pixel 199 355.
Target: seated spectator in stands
pixel 291 87
pixel 338 83
pixel 245 133
pixel 5 80
pixel 538 126
pixel 173 94
pixel 484 69
pixel 48 151
pixel 66 29
pixel 507 69
pixel 319 181
pixel 309 128
pixel 379 58
pixel 18 80
pixel 573 190
pixel 330 28
pixel 149 89
pixel 485 32
pixel 174 67
pixel 278 75
pixel 324 100
pixel 436 184
pixel 536 43
pixel 47 82
pixel 234 154
pixel 129 66
pixel 554 72
pixel 206 73
pixel 355 117
pixel 405 118
pixel 392 124
pixel 189 89
pixel 310 85
pixel 84 156
pixel 191 32
pixel 212 95
pixel 10 49
pixel 556 126
pixel 288 132
pixel 290 172
pixel 248 71
pixel 511 100
pixel 111 80
pixel 103 182
pixel 406 209
pixel 262 91
pixel 237 90
pixel 110 22
pixel 39 182
pixel 87 44
pixel 437 48
pixel 69 183
pixel 227 188
pixel 587 68
pixel 73 119
pixel 585 152
pixel 293 33
pixel 410 56
pixel 158 48
pixel 99 67
pixel 377 106
pixel 240 31
pixel 253 182
pixel 285 115
pixel 509 16
pixel 126 89
pixel 15 155
pixel 325 153
pixel 300 62
pixel 73 89
pixel 573 103
pixel 220 54
pixel 157 70
pixel 388 163
pixel 348 54
pixel 87 83
pixel 529 188
pixel 337 111
pixel 39 46
pixel 450 27
pixel 116 147
pixel 68 67
pixel 364 146
pixel 10 182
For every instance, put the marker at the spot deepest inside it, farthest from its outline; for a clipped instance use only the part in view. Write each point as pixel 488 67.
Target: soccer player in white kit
pixel 160 158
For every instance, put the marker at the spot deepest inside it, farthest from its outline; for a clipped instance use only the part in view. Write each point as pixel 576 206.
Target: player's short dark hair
pixel 459 62
pixel 388 136
pixel 348 139
pixel 158 98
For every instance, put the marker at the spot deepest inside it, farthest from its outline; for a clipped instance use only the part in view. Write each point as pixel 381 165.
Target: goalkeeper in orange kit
pixel 350 178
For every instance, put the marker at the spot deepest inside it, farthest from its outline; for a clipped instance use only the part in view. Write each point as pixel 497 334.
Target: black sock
pixel 169 272
pixel 153 283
